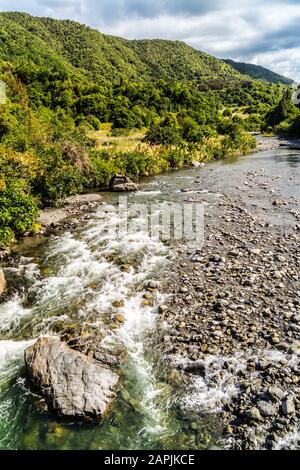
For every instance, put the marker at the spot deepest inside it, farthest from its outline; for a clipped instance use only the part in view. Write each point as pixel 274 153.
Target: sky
pixel 261 32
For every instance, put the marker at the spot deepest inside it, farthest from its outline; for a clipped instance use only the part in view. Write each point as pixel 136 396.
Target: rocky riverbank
pixel 272 143
pixel 227 351
pixel 73 209
pixel 231 327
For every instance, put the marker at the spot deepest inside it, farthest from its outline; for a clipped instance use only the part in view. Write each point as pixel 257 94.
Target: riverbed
pixel 120 288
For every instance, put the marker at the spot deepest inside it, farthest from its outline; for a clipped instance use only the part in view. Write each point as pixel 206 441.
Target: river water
pixel 77 277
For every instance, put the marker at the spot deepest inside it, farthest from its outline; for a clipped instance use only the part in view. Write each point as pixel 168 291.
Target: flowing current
pixel 87 277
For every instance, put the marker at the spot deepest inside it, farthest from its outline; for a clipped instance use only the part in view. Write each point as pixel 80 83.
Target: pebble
pixel 254 414
pixel 266 408
pixel 288 407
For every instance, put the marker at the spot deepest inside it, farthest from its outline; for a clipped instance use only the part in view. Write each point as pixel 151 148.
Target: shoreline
pixel 266 143
pixel 72 210
pixel 232 322
pixel 71 207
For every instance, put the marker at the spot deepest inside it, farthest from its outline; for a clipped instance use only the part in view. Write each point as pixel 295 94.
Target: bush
pixel 57 182
pixel 164 132
pixel 120 132
pixel 18 214
pixel 6 236
pixel 103 168
pixel 191 131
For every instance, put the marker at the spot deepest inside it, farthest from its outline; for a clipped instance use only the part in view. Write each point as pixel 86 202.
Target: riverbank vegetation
pixel 68 125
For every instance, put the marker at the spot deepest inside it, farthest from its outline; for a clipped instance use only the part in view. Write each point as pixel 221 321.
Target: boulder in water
pixel 2 282
pixel 72 384
pixel 120 183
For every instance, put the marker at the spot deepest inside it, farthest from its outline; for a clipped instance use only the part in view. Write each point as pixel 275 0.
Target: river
pixel 79 276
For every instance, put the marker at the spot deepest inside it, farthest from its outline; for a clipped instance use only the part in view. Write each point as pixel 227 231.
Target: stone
pixel 2 282
pixel 255 251
pixel 275 339
pixel 266 408
pixel 106 358
pixel 253 414
pixel 288 406
pixel 118 304
pixel 151 285
pixel 72 384
pixel 120 318
pixel 295 348
pixel 275 392
pixel 196 367
pixel 120 183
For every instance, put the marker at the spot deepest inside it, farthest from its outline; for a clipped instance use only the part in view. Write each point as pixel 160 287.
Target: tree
pixel 165 132
pixel 283 111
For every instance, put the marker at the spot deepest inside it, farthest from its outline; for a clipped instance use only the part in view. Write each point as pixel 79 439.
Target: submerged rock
pixel 120 183
pixel 2 282
pixel 72 384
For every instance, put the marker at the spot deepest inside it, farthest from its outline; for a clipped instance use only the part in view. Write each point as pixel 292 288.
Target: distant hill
pixel 82 50
pixel 258 72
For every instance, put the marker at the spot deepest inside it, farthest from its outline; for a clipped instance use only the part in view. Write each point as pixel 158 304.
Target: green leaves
pixel 65 80
pixel 18 214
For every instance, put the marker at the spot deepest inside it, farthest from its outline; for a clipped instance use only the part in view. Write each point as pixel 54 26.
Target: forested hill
pixel 82 106
pixel 259 73
pixel 76 48
pixel 85 51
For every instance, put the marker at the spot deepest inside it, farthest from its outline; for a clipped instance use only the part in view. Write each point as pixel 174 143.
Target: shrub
pixel 164 132
pixel 18 213
pixel 120 132
pixel 191 131
pixel 57 182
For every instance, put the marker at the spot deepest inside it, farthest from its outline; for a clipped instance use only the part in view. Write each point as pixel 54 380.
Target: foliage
pixel 65 80
pixel 18 213
pixel 283 111
pixel 259 73
pixel 165 131
pixel 284 117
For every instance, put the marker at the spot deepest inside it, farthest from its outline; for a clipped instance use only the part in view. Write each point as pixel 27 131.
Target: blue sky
pixel 262 32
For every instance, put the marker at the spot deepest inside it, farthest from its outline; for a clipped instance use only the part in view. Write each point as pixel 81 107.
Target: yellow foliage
pixel 23 165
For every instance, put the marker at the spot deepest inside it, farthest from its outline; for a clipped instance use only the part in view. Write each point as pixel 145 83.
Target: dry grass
pixel 105 141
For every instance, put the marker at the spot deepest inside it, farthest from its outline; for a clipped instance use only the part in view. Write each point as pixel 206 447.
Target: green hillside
pixel 258 72
pixel 86 51
pixel 176 60
pixel 82 106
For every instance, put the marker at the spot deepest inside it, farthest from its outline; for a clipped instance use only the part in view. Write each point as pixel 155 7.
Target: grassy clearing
pixel 104 140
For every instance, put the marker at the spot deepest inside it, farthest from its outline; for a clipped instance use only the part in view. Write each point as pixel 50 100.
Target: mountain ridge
pixel 87 51
pixel 259 72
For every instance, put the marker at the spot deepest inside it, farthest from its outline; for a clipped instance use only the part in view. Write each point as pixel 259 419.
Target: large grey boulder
pixel 120 183
pixel 2 282
pixel 72 384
